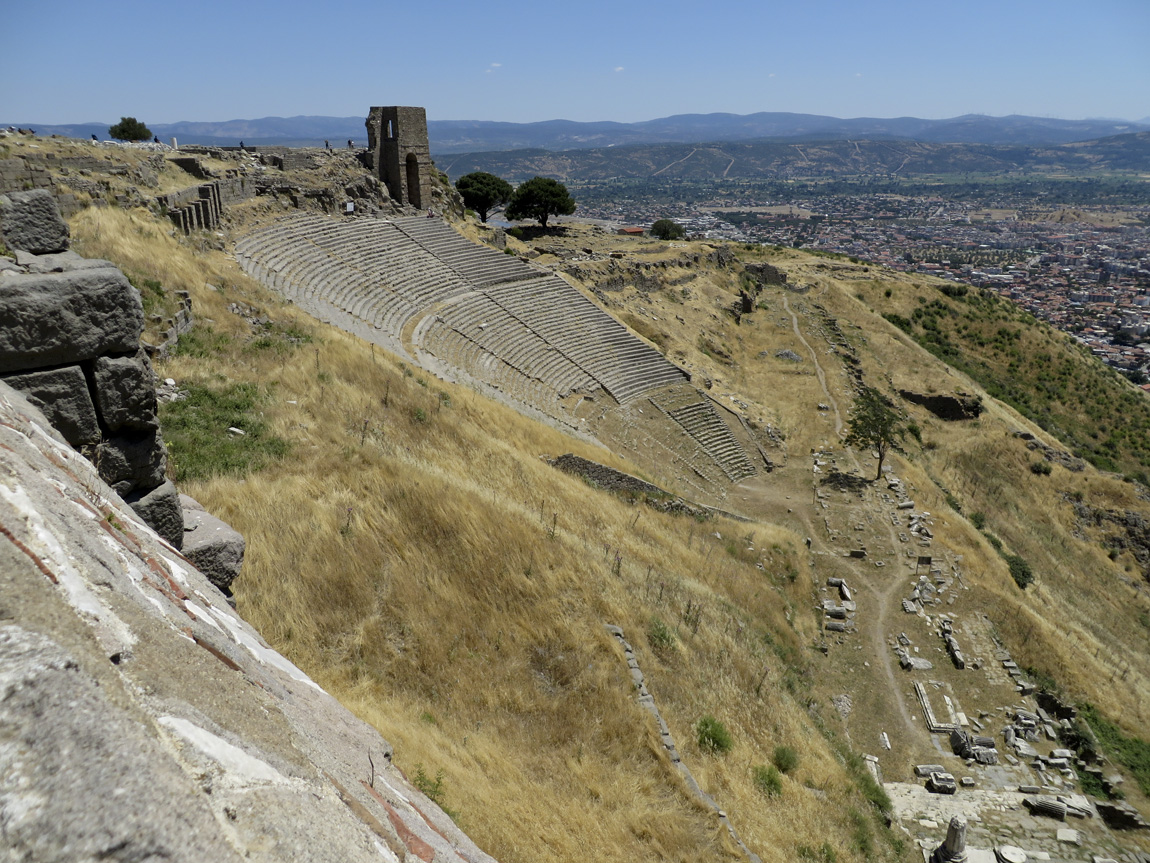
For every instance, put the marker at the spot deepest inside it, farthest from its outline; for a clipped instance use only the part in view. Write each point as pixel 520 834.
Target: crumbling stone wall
pixel 765 274
pixel 70 342
pixel 604 477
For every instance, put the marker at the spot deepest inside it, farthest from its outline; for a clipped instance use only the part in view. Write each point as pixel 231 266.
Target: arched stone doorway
pixel 413 196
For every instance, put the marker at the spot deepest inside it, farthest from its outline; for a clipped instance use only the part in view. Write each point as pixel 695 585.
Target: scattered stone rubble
pixel 839 615
pixel 1057 456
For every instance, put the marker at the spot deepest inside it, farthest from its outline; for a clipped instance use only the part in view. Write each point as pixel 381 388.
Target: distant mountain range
pixel 463 136
pixel 806 158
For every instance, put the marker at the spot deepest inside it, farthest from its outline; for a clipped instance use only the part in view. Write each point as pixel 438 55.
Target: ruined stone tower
pixel 397 142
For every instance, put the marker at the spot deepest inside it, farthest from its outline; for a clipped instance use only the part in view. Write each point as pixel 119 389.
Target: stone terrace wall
pixel 605 477
pixel 70 342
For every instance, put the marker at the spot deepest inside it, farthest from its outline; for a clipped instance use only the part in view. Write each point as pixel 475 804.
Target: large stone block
pixel 214 547
pixel 62 396
pixel 161 510
pixel 61 318
pixel 128 462
pixel 126 392
pixel 64 262
pixel 31 221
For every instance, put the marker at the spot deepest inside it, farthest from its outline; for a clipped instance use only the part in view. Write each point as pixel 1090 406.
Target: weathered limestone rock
pixel 132 461
pixel 103 788
pixel 160 510
pixel 62 262
pixel 143 720
pixel 62 396
pixel 31 221
pixel 126 392
pixel 62 318
pixel 214 547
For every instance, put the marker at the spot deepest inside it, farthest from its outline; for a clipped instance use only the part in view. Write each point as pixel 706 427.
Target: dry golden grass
pixel 417 557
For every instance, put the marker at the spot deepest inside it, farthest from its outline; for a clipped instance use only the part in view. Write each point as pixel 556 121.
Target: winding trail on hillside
pixel 876 624
pixel 818 368
pixel 676 162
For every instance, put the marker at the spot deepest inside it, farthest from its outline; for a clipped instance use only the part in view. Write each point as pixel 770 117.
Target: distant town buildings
pixel 1089 280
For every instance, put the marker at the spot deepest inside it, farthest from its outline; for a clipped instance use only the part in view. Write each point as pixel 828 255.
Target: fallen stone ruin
pixel 953 407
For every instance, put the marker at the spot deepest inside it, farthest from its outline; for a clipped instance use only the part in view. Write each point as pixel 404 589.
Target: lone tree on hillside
pixel 129 129
pixel 540 198
pixel 482 191
pixel 874 424
pixel 665 229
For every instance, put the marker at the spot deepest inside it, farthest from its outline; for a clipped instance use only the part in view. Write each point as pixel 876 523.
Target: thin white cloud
pixel 858 74
pixel 496 65
pixel 618 68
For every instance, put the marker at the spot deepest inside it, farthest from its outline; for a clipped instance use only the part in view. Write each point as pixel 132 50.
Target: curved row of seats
pixel 698 418
pixel 529 334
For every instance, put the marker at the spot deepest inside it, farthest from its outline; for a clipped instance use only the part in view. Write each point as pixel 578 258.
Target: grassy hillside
pixel 814 157
pixel 415 555
pixel 409 548
pixel 1045 375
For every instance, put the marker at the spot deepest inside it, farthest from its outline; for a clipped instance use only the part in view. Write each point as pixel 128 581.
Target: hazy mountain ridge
pixel 457 136
pixel 804 158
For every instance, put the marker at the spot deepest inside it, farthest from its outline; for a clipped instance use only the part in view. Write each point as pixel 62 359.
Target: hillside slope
pixel 417 557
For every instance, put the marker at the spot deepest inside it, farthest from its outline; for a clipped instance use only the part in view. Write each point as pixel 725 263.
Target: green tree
pixel 874 424
pixel 482 191
pixel 129 129
pixel 539 199
pixel 665 229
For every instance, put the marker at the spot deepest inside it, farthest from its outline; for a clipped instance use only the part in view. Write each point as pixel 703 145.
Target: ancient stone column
pixel 953 848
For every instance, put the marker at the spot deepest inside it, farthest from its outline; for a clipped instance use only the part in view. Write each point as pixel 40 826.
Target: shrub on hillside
pixel 713 736
pixel 786 759
pixel 767 780
pixel 1019 570
pixel 659 636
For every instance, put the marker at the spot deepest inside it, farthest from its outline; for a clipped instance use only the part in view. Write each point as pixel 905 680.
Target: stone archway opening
pixel 413 196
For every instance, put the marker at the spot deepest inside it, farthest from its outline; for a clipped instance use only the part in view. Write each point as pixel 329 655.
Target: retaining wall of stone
pixel 70 343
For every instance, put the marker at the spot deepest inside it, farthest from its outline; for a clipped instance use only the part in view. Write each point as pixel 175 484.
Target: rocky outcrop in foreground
pixel 70 341
pixel 141 719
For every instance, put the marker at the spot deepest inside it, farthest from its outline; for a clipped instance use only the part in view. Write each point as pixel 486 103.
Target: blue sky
pixel 71 61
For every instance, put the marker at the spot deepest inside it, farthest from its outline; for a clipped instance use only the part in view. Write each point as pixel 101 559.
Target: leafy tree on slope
pixel 874 424
pixel 481 191
pixel 540 198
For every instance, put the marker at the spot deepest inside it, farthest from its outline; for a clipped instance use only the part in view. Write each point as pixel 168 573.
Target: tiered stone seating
pixel 698 418
pixel 478 264
pixel 596 342
pixel 531 335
